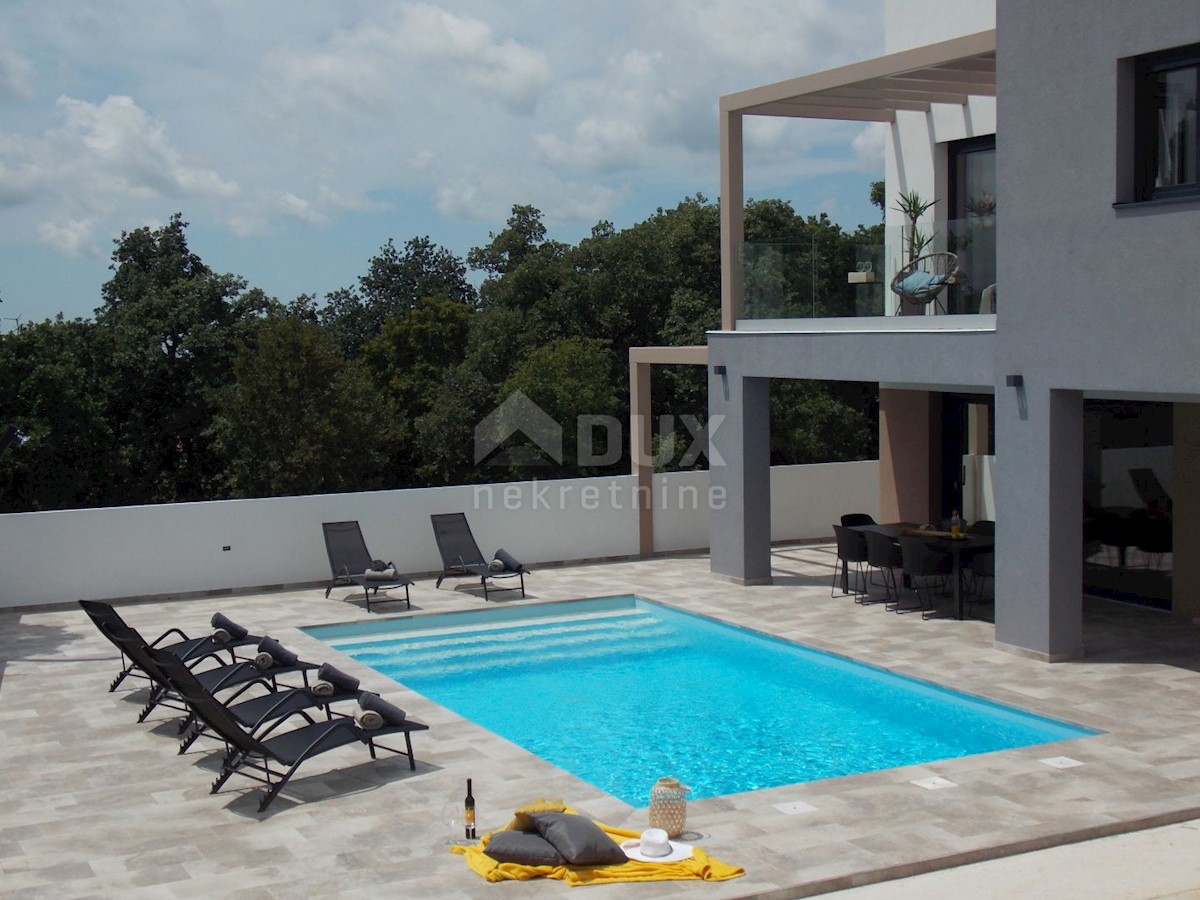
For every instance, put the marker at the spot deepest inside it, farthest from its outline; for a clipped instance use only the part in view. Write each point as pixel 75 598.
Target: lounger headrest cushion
pixel 232 630
pixel 388 574
pixel 524 848
pixel 508 561
pixel 391 713
pixel 279 654
pixel 368 719
pixel 580 840
pixel 336 678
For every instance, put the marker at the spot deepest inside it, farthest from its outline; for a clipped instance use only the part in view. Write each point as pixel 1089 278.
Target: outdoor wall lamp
pixel 1015 381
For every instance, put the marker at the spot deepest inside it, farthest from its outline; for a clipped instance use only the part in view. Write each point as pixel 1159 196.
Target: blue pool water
pixel 620 691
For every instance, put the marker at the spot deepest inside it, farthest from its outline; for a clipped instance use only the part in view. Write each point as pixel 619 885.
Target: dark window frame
pixel 1147 70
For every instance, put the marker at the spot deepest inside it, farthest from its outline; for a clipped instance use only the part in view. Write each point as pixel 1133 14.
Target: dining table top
pixel 896 530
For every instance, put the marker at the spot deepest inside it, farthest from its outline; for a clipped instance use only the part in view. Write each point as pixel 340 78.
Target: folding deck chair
pixel 249 754
pixel 461 556
pixel 351 564
pixel 226 636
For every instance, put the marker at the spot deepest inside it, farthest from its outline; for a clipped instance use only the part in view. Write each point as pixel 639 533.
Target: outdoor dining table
pixel 965 546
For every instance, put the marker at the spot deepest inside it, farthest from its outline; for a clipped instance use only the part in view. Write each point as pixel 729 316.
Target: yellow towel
pixel 700 866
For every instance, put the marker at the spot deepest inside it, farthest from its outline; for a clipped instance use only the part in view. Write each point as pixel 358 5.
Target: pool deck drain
pixel 97 805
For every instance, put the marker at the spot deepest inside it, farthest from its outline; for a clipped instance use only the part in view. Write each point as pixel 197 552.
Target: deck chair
pixel 250 712
pixel 226 636
pixel 351 564
pixel 223 676
pixel 252 755
pixel 461 556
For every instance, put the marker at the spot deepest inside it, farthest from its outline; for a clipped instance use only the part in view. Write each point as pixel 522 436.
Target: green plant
pixel 912 207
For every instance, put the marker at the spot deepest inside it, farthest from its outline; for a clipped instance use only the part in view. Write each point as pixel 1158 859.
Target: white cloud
pixel 869 144
pixel 393 62
pixel 16 76
pixel 274 119
pixel 473 196
pixel 73 237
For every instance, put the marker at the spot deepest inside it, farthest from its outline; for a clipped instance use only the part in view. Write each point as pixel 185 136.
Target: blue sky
pixel 298 137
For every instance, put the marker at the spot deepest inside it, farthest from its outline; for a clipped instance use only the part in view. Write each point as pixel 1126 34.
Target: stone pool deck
pixel 97 805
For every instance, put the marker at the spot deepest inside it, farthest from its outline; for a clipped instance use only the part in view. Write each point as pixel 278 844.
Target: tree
pixel 396 283
pixel 55 381
pixel 173 326
pixel 569 378
pixel 299 418
pixel 445 452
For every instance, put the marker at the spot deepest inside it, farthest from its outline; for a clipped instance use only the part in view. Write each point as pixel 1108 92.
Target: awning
pixel 872 90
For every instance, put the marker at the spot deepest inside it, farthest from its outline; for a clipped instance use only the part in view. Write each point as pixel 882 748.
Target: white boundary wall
pixel 173 549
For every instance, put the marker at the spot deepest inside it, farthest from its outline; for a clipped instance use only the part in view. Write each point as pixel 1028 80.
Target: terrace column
pixel 1185 510
pixel 909 455
pixel 740 477
pixel 1039 553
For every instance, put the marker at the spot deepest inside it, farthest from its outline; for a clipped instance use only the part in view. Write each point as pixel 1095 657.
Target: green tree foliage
pixel 55 383
pixel 189 386
pixel 172 325
pixel 569 378
pixel 299 418
pixel 444 450
pixel 396 282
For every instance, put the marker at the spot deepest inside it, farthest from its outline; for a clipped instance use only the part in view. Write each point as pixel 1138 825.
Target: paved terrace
pixel 98 805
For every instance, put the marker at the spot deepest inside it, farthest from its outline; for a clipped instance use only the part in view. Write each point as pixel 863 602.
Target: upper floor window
pixel 1167 106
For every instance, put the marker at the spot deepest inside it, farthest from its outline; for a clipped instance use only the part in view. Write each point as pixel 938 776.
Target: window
pixel 1167 152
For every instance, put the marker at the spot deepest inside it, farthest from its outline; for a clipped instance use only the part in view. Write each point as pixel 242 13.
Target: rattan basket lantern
pixel 668 806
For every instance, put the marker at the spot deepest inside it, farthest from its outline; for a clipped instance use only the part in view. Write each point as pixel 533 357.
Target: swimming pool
pixel 621 690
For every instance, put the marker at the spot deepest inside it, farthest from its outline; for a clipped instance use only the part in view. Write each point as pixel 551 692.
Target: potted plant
pixel 912 207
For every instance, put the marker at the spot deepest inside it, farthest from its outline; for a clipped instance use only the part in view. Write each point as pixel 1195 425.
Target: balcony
pixel 837 279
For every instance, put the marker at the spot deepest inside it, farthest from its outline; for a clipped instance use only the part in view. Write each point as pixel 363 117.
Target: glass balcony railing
pixel 814 279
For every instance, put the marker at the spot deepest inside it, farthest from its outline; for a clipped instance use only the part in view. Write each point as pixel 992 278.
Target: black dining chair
pixel 849 519
pixel 926 568
pixel 883 554
pixel 851 557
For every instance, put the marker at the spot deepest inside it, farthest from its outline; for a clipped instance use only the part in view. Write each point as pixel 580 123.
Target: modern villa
pixel 1037 366
pixel 1061 151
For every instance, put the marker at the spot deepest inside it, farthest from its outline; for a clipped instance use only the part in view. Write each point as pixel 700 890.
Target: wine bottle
pixel 469 812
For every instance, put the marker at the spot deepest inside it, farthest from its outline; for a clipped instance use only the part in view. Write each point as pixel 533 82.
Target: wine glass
pixel 452 816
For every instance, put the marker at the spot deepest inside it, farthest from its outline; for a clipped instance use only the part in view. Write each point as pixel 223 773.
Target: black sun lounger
pixel 226 636
pixel 223 676
pixel 351 564
pixel 461 556
pixel 252 755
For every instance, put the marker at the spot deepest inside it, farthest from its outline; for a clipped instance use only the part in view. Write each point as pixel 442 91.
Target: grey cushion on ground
pixel 523 847
pixel 281 655
pixel 392 714
pixel 580 840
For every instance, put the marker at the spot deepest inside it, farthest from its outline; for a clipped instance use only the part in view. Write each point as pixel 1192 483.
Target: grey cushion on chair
pixel 580 840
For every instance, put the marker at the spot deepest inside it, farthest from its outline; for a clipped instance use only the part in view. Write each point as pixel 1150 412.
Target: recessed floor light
pixel 1060 762
pixel 794 808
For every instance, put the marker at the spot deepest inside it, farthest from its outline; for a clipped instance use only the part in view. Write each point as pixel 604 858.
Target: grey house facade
pixel 1097 275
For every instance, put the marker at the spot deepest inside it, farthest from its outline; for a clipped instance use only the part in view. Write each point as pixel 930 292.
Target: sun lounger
pixel 352 564
pixel 461 556
pixel 253 755
pixel 225 637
